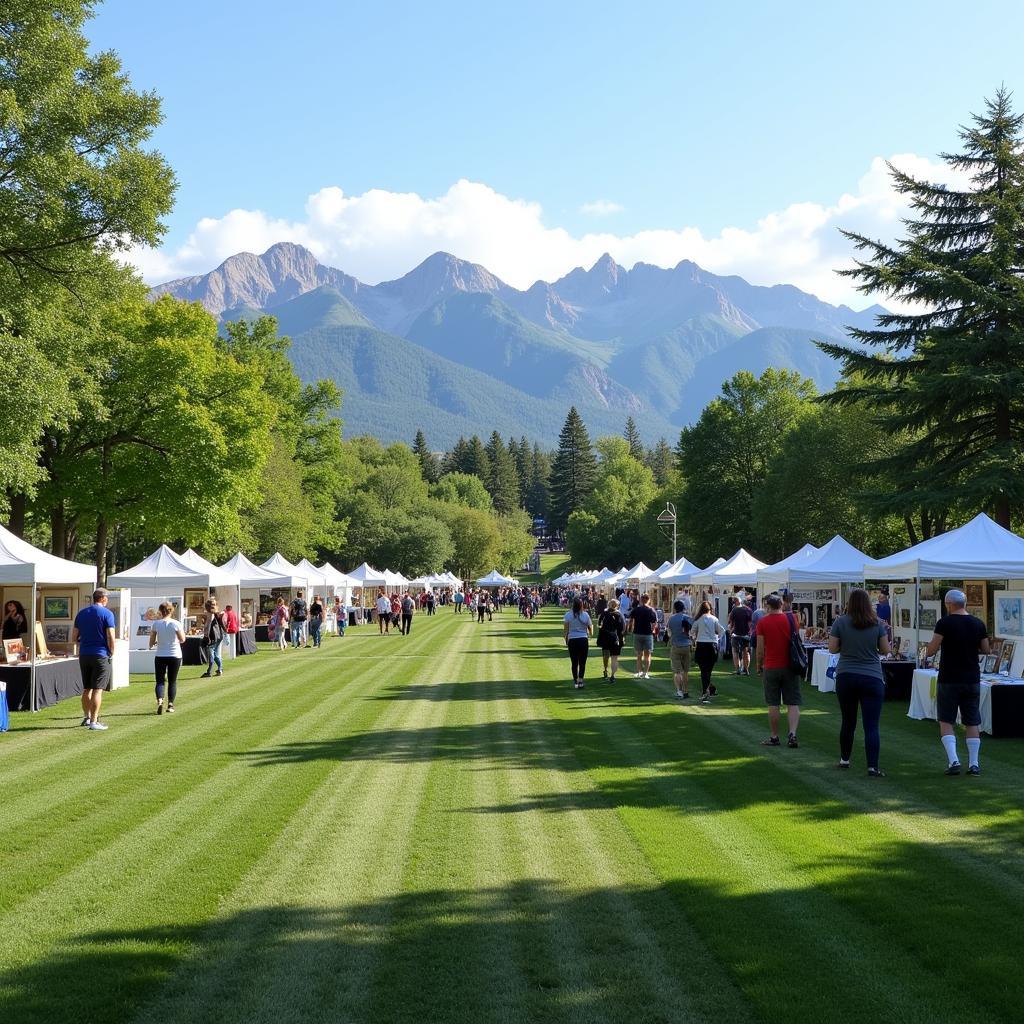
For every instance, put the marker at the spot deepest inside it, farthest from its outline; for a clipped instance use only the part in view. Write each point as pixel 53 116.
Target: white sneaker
pixel 647 675
pixel 84 721
pixel 638 675
pixel 97 726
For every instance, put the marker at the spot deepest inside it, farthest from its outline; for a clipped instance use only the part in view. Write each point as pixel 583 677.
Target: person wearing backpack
pixel 316 620
pixel 299 615
pixel 780 682
pixel 214 632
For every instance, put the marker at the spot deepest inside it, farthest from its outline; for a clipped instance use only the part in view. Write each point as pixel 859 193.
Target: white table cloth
pixel 924 700
pixel 819 668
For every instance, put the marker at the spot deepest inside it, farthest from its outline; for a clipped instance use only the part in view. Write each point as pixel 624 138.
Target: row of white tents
pixel 981 550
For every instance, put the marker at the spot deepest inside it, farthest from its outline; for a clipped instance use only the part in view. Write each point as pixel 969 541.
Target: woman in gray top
pixel 859 637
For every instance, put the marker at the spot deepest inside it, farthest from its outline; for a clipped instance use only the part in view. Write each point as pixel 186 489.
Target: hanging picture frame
pixel 1009 614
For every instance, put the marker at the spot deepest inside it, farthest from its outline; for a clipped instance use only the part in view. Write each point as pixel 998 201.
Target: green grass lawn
pixel 439 828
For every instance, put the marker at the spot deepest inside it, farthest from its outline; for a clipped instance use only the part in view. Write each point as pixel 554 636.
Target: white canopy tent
pixel 341 582
pixel 981 549
pixel 738 571
pixel 777 573
pixel 22 565
pixel 640 573
pixel 838 561
pixel 394 580
pixel 316 578
pixel 254 577
pixel 366 576
pixel 496 579
pixel 277 563
pixel 679 573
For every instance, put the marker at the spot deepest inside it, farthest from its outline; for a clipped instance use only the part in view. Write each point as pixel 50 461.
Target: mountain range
pixel 454 350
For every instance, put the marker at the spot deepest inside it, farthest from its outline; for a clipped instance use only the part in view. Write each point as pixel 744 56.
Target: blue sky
pixel 681 117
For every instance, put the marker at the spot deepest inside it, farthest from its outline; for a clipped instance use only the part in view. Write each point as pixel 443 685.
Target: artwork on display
pixel 58 607
pixel 146 611
pixel 42 651
pixel 804 615
pixel 896 645
pixel 1006 658
pixel 975 593
pixel 990 662
pixel 824 614
pixel 905 618
pixel 922 655
pixel 995 648
pixel 245 617
pixel 1009 608
pixel 58 632
pixel 195 603
pixel 929 615
pixel 15 651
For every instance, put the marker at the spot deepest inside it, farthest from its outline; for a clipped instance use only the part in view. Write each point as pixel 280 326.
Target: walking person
pixel 576 629
pixel 739 627
pixel 431 602
pixel 167 636
pixel 408 608
pixel 481 606
pixel 213 633
pixel 679 626
pixel 460 599
pixel 340 616
pixel 299 614
pixel 962 638
pixel 279 620
pixel 611 634
pixel 231 624
pixel 316 620
pixel 781 683
pixel 642 620
pixel 383 612
pixel 705 652
pixel 94 632
pixel 859 636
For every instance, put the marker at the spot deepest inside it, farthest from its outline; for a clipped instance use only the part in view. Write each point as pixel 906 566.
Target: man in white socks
pixel 962 638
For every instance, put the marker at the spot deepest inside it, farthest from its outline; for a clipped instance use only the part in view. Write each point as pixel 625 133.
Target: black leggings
pixel 868 693
pixel 579 647
pixel 406 623
pixel 706 655
pixel 166 668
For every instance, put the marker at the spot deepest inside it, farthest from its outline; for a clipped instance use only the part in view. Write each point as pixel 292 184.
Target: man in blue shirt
pixel 678 627
pixel 94 633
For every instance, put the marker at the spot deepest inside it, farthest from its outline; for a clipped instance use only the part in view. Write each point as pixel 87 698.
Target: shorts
pixel 95 671
pixel 740 643
pixel 384 617
pixel 680 658
pixel 643 642
pixel 784 683
pixel 962 697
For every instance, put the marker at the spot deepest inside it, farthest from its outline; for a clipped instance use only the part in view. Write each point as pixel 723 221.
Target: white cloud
pixel 601 208
pixel 381 235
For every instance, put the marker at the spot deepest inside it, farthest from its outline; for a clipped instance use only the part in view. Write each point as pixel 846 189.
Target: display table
pixel 899 677
pixel 809 650
pixel 1001 705
pixel 56 680
pixel 192 651
pixel 245 641
pixel 819 667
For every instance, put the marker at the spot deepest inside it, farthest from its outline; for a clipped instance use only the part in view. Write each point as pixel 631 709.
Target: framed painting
pixel 58 632
pixel 15 651
pixel 990 662
pixel 58 606
pixel 1006 657
pixel 1009 614
pixel 195 603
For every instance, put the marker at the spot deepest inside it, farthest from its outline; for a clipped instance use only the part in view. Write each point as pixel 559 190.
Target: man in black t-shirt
pixel 408 607
pixel 962 638
pixel 642 619
pixel 739 625
pixel 299 611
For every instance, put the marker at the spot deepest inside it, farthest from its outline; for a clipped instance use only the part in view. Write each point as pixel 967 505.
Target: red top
pixel 231 621
pixel 775 628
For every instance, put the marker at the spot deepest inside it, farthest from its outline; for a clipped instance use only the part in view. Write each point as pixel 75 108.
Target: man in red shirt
pixel 780 681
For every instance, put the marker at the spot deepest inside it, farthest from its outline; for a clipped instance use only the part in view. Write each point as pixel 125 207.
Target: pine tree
pixel 538 494
pixel 476 462
pixel 632 436
pixel 660 460
pixel 503 484
pixel 573 471
pixel 428 460
pixel 951 376
pixel 456 459
pixel 524 467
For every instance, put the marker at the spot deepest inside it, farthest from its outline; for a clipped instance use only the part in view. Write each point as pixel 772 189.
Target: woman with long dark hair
pixel 15 620
pixel 859 637
pixel 576 630
pixel 706 629
pixel 611 633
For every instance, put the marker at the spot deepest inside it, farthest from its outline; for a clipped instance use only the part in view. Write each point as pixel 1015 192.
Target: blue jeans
pixel 868 693
pixel 298 632
pixel 213 657
pixel 314 630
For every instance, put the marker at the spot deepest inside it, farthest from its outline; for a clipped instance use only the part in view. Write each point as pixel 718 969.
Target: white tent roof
pixel 679 572
pixel 639 572
pixel 394 579
pixel 603 576
pixel 251 575
pixel 20 562
pixel 777 572
pixel 365 575
pixel 314 577
pixel 219 577
pixel 738 571
pixel 665 566
pixel 838 561
pixel 164 568
pixel 617 577
pixel 981 549
pixel 335 577
pixel 495 579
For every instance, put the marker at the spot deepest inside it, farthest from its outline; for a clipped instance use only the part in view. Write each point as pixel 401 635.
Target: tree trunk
pixel 101 549
pixel 16 523
pixel 911 532
pixel 58 531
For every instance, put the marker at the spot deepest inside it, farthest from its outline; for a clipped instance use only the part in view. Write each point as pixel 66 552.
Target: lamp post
pixel 668 518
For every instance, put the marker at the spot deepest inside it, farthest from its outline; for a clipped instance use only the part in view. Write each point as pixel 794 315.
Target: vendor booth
pixel 40 667
pixel 496 579
pixel 260 589
pixel 366 580
pixel 167 577
pixel 672 581
pixel 721 582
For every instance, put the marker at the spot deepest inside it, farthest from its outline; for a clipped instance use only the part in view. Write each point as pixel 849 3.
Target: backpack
pixel 299 608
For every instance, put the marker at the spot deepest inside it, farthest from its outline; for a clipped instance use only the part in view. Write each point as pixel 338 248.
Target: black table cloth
pixel 55 681
pixel 192 651
pixel 899 679
pixel 245 641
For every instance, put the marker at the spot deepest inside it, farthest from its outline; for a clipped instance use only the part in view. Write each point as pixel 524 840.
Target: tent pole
pixel 917 611
pixel 33 702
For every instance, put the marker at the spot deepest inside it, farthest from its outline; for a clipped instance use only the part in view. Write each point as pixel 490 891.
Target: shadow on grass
pixel 535 950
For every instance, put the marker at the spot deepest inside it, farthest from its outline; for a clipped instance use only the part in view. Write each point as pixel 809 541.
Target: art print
pixel 58 632
pixel 15 651
pixel 1009 615
pixel 58 607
